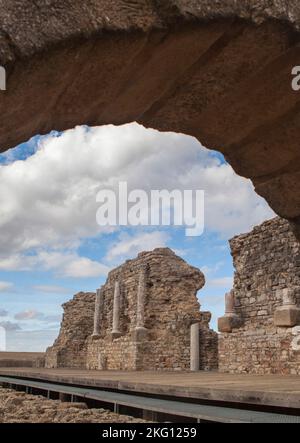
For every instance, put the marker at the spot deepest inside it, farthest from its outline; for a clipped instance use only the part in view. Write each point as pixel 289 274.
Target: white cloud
pixel 33 314
pixel 83 267
pixel 17 262
pixel 223 282
pixel 30 314
pixel 5 285
pixel 210 270
pixel 48 201
pixel 51 289
pixel 129 246
pixel 64 264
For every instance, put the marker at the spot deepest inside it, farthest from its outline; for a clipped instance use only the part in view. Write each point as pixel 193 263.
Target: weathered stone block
pixel 140 334
pixel 266 264
pixel 228 323
pixel 287 316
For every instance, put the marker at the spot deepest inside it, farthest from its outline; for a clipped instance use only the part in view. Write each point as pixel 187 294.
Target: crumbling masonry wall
pixel 156 305
pixel 69 349
pixel 266 294
pixel 162 342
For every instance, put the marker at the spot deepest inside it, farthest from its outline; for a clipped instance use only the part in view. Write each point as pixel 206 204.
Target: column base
pixel 287 316
pixel 140 334
pixel 95 336
pixel 116 334
pixel 229 322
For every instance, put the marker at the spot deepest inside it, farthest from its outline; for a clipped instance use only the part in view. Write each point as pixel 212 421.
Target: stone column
pixel 287 315
pixel 140 330
pixel 230 320
pixel 229 304
pixel 116 312
pixel 195 347
pixel 98 304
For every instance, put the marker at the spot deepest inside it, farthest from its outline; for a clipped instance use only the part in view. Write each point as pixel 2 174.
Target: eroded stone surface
pixel 159 339
pixel 69 348
pixel 220 71
pixel 228 323
pixel 230 320
pixel 18 407
pixel 267 293
pixel 287 316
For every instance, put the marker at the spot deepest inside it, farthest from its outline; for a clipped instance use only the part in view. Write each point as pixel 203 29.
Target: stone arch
pixel 219 73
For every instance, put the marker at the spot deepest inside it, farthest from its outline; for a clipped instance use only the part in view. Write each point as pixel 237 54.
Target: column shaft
pixel 116 311
pixel 195 350
pixel 97 313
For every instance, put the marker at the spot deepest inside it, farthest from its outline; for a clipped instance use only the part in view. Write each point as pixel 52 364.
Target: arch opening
pixel 226 82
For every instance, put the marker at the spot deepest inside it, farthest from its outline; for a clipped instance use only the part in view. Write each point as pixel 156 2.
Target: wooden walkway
pixel 267 390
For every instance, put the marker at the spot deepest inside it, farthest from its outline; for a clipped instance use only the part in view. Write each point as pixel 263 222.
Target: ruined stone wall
pixel 170 307
pixel 209 358
pixel 69 349
pixel 267 264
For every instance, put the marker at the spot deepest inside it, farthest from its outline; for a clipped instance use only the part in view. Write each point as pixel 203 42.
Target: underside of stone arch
pixel 219 73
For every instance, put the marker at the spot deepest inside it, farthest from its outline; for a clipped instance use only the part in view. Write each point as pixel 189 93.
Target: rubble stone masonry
pixel 142 321
pixel 266 294
pixel 69 349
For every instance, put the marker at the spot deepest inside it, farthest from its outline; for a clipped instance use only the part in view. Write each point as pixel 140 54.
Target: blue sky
pixel 51 246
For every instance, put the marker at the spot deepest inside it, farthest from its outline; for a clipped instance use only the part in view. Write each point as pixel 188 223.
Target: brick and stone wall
pixel 69 349
pixel 262 323
pixel 170 308
pixel 157 303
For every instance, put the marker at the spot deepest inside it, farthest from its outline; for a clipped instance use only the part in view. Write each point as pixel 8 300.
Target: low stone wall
pixel 267 271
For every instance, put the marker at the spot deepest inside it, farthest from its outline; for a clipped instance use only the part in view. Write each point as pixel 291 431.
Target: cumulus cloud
pixel 5 286
pixel 62 263
pixel 3 313
pixel 128 246
pixel 83 267
pixel 32 314
pixel 71 265
pixel 48 200
pixel 51 289
pixel 222 282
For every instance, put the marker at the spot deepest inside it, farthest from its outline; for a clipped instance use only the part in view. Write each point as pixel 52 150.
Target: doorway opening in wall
pixel 52 247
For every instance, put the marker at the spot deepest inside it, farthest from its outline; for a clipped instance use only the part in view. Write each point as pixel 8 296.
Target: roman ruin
pixel 117 46
pixel 260 329
pixel 146 317
pixel 69 348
